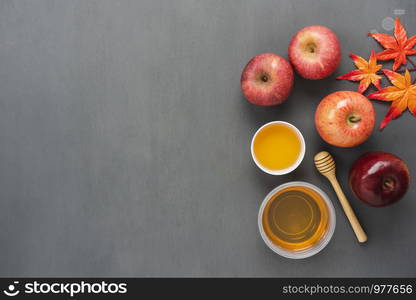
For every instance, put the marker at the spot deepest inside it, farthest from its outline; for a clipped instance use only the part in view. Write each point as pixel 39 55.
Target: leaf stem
pixel 412 62
pixel 398 71
pixel 414 66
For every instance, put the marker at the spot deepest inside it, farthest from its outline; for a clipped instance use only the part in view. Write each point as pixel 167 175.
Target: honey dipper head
pixel 325 163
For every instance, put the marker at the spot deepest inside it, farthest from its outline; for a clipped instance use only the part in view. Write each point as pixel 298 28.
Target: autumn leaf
pixel 366 72
pixel 397 46
pixel 402 94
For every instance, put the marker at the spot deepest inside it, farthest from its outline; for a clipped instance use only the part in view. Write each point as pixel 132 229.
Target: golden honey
pixel 295 218
pixel 277 146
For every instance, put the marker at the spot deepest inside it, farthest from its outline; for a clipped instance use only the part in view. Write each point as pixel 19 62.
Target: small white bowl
pixel 313 249
pixel 297 162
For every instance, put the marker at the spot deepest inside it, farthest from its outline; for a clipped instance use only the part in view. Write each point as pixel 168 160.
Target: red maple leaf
pixel 402 94
pixel 397 46
pixel 366 72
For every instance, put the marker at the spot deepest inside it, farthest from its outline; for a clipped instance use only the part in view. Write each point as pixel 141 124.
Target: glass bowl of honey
pixel 296 220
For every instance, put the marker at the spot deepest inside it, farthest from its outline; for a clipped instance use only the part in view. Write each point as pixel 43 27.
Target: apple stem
pixel 388 184
pixel 311 47
pixel 354 118
pixel 264 78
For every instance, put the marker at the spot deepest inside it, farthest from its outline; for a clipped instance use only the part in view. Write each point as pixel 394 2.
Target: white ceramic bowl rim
pixel 292 167
pixel 309 251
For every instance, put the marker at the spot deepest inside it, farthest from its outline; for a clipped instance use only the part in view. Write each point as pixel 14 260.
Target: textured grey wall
pixel 124 139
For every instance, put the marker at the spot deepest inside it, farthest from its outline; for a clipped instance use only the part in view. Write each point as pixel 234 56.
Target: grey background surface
pixel 124 139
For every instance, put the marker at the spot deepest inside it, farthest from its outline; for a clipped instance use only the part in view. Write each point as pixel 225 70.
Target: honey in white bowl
pixel 278 147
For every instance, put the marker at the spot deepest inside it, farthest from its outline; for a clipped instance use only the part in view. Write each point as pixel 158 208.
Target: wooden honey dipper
pixel 325 164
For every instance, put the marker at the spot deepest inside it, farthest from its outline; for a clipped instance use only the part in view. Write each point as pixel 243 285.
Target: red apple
pixel 267 79
pixel 314 52
pixel 345 118
pixel 379 178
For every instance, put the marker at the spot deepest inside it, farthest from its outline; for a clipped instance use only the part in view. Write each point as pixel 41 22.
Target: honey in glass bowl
pixel 296 219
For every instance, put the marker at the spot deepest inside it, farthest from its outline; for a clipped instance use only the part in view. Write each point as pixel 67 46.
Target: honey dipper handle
pixel 356 226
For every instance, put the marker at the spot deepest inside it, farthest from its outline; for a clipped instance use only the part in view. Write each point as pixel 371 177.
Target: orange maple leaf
pixel 402 94
pixel 366 72
pixel 397 46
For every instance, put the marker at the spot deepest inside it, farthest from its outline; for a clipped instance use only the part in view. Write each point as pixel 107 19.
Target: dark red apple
pixel 267 79
pixel 315 52
pixel 345 118
pixel 379 178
